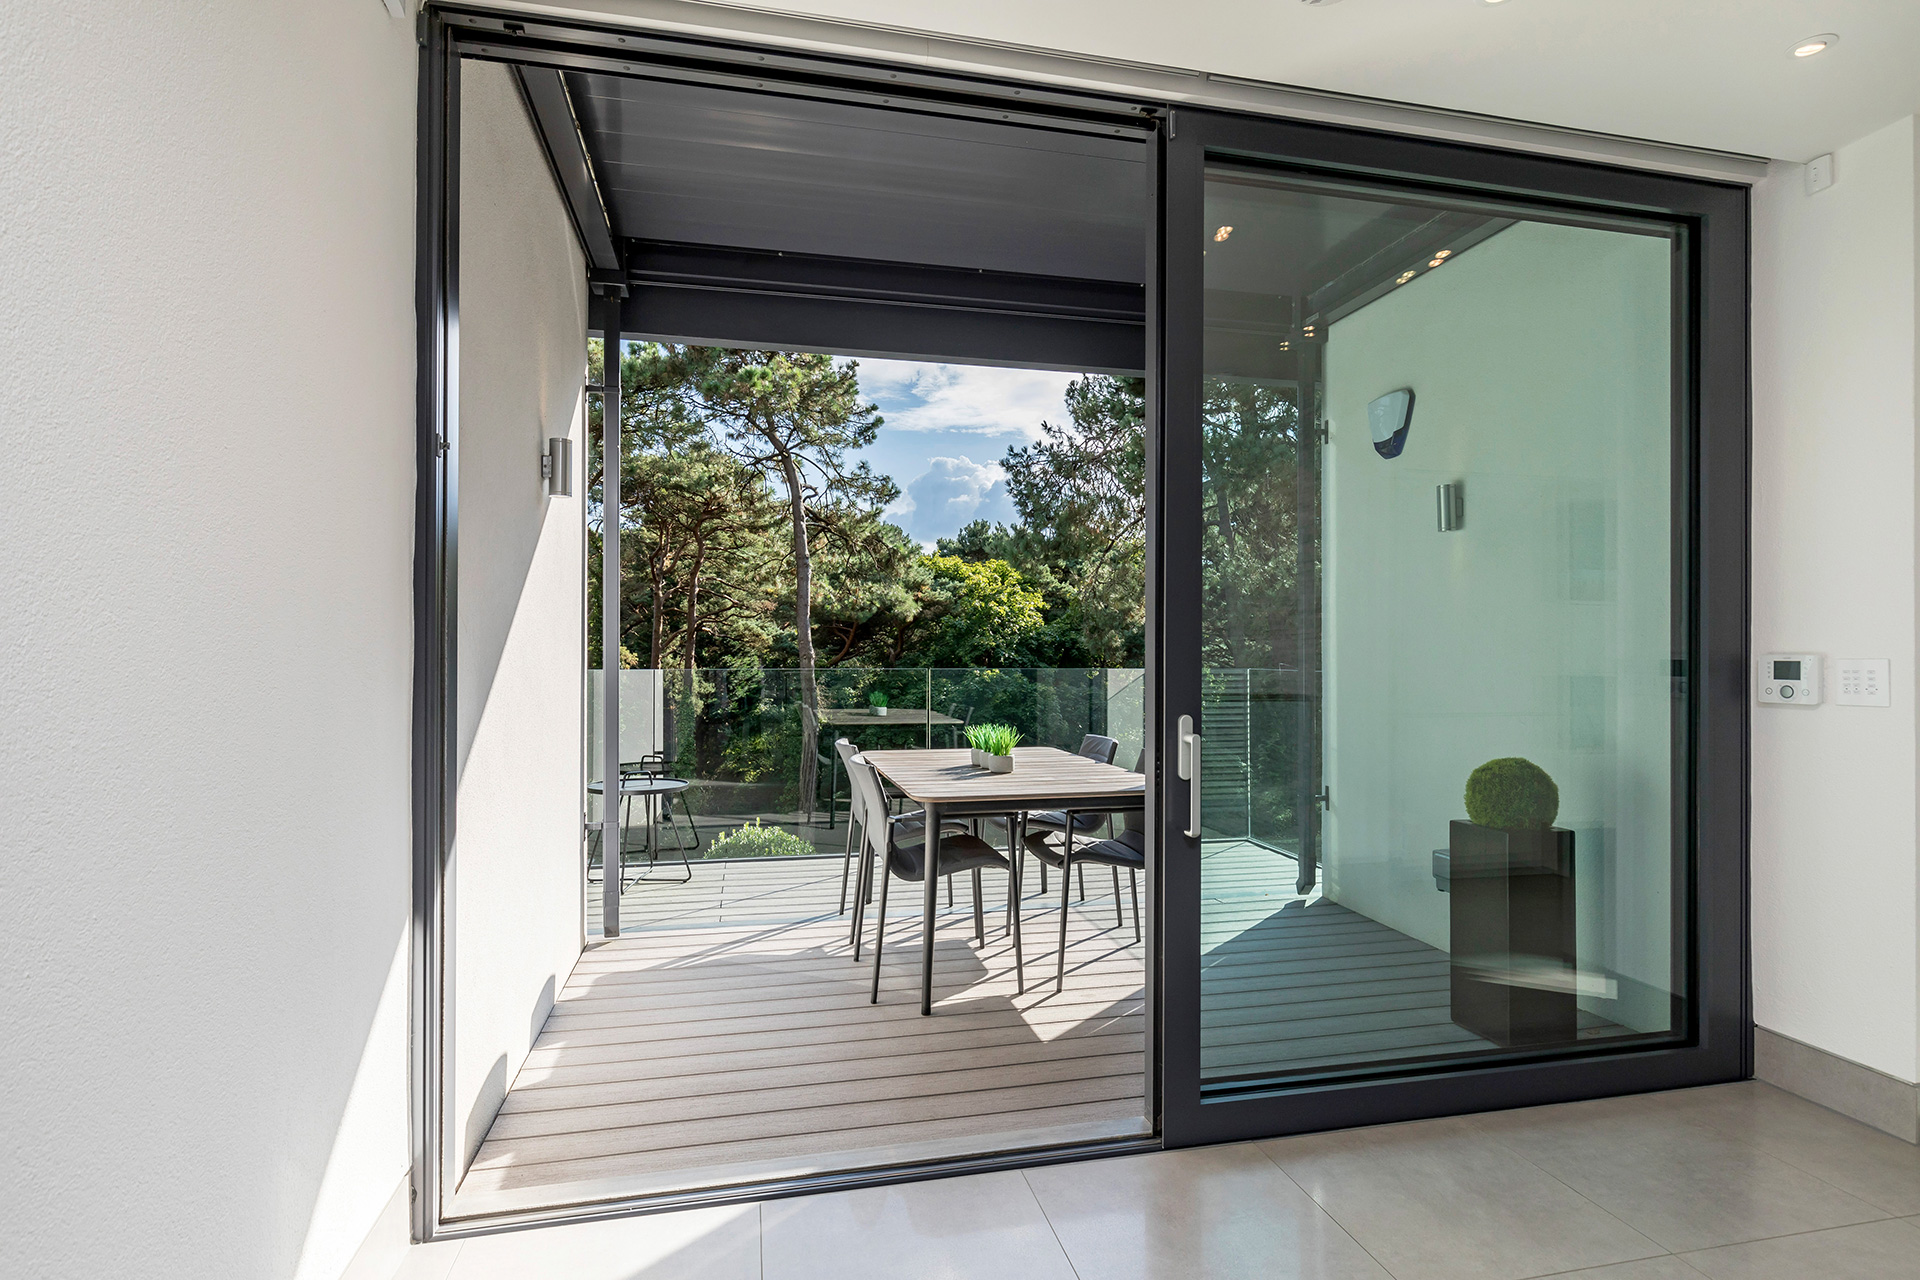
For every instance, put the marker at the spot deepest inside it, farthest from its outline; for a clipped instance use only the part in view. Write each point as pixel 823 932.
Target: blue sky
pixel 947 427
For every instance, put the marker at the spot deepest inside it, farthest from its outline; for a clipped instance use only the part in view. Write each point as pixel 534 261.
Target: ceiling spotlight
pixel 1437 262
pixel 1444 254
pixel 1815 44
pixel 1220 236
pixel 1404 277
pixel 1283 345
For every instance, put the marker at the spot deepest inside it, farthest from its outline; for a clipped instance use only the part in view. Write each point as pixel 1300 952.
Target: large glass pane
pixel 1439 567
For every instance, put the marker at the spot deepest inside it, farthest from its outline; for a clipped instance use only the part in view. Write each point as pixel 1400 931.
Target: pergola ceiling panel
pixel 700 165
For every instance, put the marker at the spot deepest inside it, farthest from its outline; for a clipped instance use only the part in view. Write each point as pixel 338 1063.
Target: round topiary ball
pixel 1512 792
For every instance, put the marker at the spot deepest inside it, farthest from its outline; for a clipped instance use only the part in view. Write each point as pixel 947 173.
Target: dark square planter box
pixel 1510 909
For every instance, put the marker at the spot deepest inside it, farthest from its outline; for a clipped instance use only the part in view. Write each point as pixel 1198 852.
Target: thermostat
pixel 1790 679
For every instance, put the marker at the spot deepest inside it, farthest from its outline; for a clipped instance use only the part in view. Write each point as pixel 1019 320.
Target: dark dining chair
pixel 1100 749
pixel 894 847
pixel 1127 850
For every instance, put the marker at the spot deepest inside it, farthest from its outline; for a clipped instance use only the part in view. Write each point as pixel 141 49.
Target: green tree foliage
pixel 980 613
pixel 792 418
pixel 1251 451
pixel 1080 491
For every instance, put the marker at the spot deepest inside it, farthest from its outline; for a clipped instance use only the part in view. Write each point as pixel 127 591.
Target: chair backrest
pixel 652 764
pixel 1096 747
pixel 1136 819
pixel 856 806
pixel 866 788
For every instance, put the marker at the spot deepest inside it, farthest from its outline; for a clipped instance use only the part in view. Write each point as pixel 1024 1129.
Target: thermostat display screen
pixel 1786 671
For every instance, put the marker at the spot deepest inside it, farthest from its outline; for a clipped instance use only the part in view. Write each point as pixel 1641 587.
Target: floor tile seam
pixel 1789 1235
pixel 1755 1147
pixel 1047 1218
pixel 1581 1271
pixel 1314 1200
pixel 1737 1140
pixel 1474 1125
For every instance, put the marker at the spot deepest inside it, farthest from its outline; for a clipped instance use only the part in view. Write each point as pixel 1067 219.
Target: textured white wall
pixel 1834 366
pixel 205 630
pixel 1540 363
pixel 515 878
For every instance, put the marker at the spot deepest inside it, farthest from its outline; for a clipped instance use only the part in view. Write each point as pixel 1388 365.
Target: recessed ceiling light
pixel 1815 44
pixel 1436 262
pixel 1220 236
pixel 1404 277
pixel 1443 253
pixel 1493 1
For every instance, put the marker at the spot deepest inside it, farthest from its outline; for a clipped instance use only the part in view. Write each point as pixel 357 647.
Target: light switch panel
pixel 1862 682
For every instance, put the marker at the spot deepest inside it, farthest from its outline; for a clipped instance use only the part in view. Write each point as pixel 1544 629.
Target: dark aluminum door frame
pixel 1711 512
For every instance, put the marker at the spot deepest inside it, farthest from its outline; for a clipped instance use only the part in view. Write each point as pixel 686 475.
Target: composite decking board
pixel 837 1119
pixel 900 1138
pixel 715 1041
pixel 959 1039
pixel 1037 1020
pixel 864 1092
pixel 776 1015
pixel 686 1080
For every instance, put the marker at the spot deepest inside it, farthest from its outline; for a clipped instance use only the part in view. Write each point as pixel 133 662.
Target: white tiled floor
pixel 1737 1182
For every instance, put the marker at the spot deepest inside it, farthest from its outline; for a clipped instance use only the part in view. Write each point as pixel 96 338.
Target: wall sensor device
pixel 1789 679
pixel 1388 419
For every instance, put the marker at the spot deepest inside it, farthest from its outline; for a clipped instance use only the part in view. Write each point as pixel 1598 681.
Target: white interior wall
pixel 205 633
pixel 515 876
pixel 1539 362
pixel 1834 334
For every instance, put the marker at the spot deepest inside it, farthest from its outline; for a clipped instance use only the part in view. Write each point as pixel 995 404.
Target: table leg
pixel 929 882
pixel 1066 882
pixel 1017 832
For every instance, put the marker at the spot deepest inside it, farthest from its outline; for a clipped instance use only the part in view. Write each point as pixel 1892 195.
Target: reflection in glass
pixel 1438 561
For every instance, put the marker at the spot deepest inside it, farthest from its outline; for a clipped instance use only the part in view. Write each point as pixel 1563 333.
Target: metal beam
pixel 715 296
pixel 547 102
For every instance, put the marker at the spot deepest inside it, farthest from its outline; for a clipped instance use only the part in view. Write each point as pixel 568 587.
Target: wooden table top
pixel 897 715
pixel 1042 778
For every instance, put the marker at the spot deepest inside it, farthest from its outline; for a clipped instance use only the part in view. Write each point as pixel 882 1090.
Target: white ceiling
pixel 1702 73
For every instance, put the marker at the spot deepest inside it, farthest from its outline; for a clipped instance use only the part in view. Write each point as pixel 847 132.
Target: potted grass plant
pixel 993 746
pixel 1511 909
pixel 877 700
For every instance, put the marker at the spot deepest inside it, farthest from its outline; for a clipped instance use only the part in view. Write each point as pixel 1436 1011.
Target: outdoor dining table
pixel 947 784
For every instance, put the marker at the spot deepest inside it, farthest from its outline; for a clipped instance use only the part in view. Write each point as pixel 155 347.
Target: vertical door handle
pixel 1190 770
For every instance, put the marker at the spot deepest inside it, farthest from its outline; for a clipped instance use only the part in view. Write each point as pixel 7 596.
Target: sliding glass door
pixel 1430 570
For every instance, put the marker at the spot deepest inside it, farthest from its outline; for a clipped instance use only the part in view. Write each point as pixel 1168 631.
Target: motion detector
pixel 1388 419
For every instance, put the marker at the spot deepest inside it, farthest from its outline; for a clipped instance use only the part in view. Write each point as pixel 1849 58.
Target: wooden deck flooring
pixel 726 1035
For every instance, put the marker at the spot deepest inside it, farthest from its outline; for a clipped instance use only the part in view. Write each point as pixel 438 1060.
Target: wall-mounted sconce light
pixel 1451 501
pixel 556 467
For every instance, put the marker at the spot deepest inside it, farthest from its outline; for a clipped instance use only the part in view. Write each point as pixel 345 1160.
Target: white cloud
pixel 950 494
pixel 965 398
